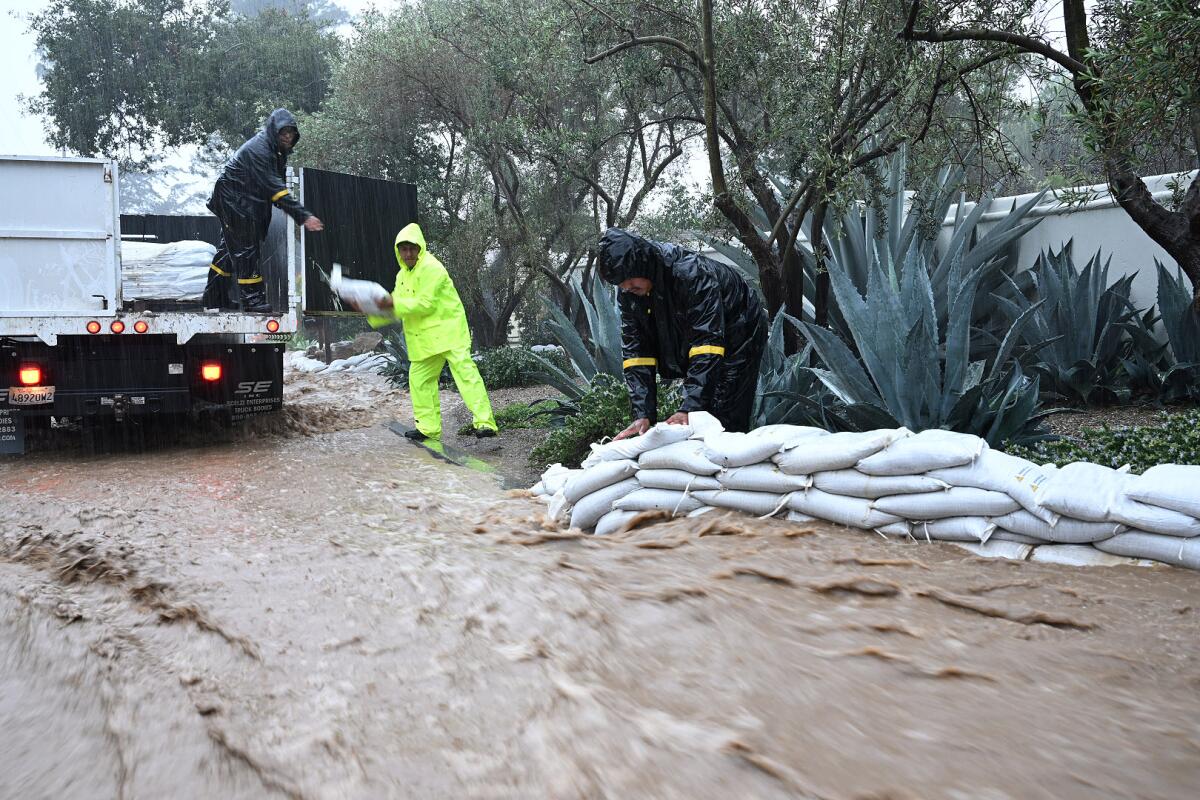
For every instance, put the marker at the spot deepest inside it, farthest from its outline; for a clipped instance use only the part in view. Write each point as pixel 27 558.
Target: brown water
pixel 339 615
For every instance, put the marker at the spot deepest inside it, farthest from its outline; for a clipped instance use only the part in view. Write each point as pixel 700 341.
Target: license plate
pixel 30 395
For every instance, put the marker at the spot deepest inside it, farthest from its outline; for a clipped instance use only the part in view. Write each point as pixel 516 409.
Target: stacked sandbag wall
pixel 933 485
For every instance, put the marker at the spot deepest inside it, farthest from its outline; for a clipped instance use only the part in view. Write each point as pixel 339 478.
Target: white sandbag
pixel 559 510
pixel 687 456
pixel 764 477
pixel 955 529
pixel 366 296
pixel 593 479
pixel 1167 549
pixel 1172 486
pixel 1084 491
pixel 957 501
pixel 1008 536
pixel 538 489
pixel 658 436
pixel 852 511
pixel 1080 555
pixel 701 511
pixel 927 450
pixel 760 504
pixel 675 479
pixel 173 271
pixel 703 424
pixel 787 436
pixel 613 521
pixel 900 529
pixel 556 476
pixel 658 500
pixel 738 449
pixel 835 451
pixel 796 516
pixel 853 483
pixel 1065 531
pixel 588 511
pixel 1021 480
pixel 1153 519
pixel 997 549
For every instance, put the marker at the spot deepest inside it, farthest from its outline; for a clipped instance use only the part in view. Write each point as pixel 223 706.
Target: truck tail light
pixel 272 325
pixel 30 374
pixel 210 371
pixel 117 326
pixel 141 326
pixel 93 327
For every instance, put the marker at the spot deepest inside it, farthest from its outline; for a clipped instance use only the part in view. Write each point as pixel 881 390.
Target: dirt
pixel 324 610
pixel 1072 422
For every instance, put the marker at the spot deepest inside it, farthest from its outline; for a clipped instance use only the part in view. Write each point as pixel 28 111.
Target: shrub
pixel 507 367
pixel 601 412
pixel 1176 440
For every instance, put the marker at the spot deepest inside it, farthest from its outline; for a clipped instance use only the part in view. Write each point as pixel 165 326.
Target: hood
pixel 625 255
pixel 410 233
pixel 280 118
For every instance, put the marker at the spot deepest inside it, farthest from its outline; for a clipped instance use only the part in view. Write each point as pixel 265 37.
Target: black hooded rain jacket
pixel 253 179
pixel 702 322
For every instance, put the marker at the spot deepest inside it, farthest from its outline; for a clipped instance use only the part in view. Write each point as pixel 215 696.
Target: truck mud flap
pixel 244 380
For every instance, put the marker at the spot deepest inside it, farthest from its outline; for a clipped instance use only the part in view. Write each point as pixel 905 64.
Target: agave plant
pixel 1170 369
pixel 911 368
pixel 1081 329
pixel 600 353
pixel 788 392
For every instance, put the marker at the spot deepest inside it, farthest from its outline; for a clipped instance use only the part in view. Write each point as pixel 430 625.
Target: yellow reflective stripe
pixel 639 362
pixel 219 271
pixel 257 279
pixel 704 349
pixel 278 195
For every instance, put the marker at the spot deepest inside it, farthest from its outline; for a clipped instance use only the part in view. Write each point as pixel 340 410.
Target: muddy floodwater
pixel 329 612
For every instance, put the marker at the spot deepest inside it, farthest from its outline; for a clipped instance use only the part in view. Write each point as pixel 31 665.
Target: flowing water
pixel 336 614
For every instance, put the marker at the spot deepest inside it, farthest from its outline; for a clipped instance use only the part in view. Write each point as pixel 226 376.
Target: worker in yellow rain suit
pixel 435 332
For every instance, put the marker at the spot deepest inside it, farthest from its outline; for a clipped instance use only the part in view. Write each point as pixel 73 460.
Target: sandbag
pixel 738 449
pixel 1167 549
pixel 613 521
pixel 559 509
pixel 658 436
pixel 796 516
pixel 588 511
pixel 593 479
pixel 997 549
pixel 1080 555
pixel 835 451
pixel 675 479
pixel 687 456
pixel 787 435
pixel 1172 486
pixel 925 451
pixel 701 511
pixel 955 529
pixel 1021 480
pixel 1153 519
pixel 901 529
pixel 658 500
pixel 1008 536
pixel 852 511
pixel 760 504
pixel 1065 531
pixel 957 501
pixel 1084 491
pixel 853 483
pixel 556 476
pixel 764 477
pixel 703 424
pixel 365 296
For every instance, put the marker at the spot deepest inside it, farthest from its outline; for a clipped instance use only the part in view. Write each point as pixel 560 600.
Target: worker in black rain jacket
pixel 250 183
pixel 684 316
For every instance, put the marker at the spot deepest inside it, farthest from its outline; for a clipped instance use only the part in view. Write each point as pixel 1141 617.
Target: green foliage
pixel 506 367
pixel 1174 440
pixel 600 413
pixel 913 370
pixel 396 370
pixel 788 392
pixel 596 353
pixel 125 77
pixel 1079 330
pixel 520 415
pixel 1181 376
